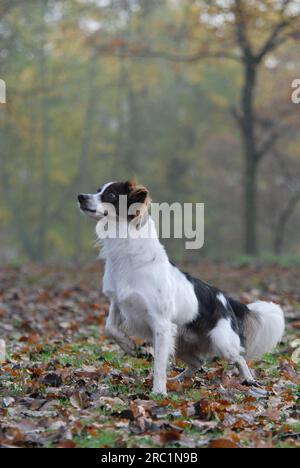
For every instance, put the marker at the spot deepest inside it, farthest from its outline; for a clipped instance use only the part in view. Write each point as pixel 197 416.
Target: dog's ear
pixel 138 194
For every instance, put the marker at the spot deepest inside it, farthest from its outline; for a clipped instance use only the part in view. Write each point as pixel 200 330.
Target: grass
pixel 266 258
pixel 106 438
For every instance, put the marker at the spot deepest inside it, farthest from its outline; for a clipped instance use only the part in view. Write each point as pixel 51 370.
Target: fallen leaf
pixel 223 444
pixel 52 380
pixel 296 356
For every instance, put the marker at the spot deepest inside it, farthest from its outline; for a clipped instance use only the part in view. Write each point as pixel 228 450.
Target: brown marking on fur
pixel 135 192
pixel 139 194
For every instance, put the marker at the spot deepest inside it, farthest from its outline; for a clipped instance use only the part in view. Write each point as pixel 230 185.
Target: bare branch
pixel 292 184
pixel 241 30
pixel 237 116
pixel 268 144
pixel 131 50
pixel 273 129
pixel 273 41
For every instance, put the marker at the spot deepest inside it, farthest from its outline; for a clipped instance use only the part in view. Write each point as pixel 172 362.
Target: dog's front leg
pixel 113 329
pixel 163 347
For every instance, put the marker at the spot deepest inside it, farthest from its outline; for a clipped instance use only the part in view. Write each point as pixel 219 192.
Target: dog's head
pixel 106 201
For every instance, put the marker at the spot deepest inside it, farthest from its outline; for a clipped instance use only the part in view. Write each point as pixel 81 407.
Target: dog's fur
pixel 178 314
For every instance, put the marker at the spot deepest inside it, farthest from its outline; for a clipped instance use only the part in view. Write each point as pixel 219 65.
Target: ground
pixel 64 384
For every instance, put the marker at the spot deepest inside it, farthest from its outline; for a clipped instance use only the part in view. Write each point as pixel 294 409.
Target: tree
pixel 291 181
pixel 281 29
pixel 104 90
pixel 247 32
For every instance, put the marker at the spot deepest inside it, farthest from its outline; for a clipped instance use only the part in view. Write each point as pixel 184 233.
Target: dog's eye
pixel 111 196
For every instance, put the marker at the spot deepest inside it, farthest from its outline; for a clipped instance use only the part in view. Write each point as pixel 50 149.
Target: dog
pixel 177 314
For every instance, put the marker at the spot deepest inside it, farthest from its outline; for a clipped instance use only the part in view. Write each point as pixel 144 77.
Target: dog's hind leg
pixel 226 344
pixel 245 372
pixel 113 329
pixel 185 351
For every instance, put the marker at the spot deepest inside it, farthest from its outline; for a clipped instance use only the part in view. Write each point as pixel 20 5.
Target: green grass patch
pixel 106 438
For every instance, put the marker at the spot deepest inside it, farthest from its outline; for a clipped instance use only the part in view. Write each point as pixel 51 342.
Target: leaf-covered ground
pixel 64 384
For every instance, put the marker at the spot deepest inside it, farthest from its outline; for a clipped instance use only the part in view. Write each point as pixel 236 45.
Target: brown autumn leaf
pixel 295 324
pixel 223 444
pixel 182 424
pixel 274 414
pixel 170 434
pixel 174 386
pixel 80 399
pixel 66 444
pixel 203 409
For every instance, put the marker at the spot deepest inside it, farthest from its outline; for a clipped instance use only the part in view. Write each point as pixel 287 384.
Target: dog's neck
pixel 140 245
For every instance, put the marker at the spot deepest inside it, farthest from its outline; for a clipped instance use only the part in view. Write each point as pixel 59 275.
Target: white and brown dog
pixel 153 300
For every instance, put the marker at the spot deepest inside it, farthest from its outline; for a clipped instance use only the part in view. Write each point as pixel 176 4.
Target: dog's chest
pixel 139 296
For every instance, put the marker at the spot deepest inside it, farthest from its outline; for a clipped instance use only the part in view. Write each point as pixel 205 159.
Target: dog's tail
pixel 264 329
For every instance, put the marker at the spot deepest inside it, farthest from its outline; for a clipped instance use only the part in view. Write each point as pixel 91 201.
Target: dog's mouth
pixel 88 210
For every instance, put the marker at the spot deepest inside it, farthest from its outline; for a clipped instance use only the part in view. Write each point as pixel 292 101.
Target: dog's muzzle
pixel 84 203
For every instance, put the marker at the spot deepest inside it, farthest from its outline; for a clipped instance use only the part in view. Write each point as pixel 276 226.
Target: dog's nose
pixel 81 198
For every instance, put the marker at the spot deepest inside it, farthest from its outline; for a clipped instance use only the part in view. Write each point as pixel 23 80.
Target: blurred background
pixel 193 98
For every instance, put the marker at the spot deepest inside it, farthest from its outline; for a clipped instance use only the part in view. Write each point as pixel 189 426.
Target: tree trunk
pixel 44 197
pixel 19 220
pixel 251 158
pixel 250 195
pixel 282 223
pixel 82 181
